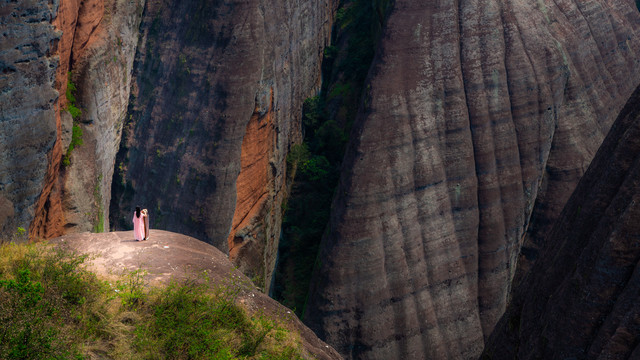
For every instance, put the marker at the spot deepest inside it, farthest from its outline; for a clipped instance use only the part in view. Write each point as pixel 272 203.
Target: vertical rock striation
pixel 480 119
pixel 43 41
pixel 103 50
pixel 580 299
pixel 208 75
pixel 28 64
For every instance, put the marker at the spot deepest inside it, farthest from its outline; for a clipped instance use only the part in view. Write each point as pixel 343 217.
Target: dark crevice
pixel 327 121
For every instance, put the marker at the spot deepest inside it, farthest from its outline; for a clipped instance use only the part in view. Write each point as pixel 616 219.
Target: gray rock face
pixel 481 118
pixel 27 116
pixel 102 74
pixel 95 40
pixel 580 299
pixel 204 70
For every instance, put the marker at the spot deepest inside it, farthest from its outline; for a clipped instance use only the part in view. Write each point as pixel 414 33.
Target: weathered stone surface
pixel 107 40
pixel 43 42
pixel 166 256
pixel 580 299
pixel 27 116
pixel 480 119
pixel 204 70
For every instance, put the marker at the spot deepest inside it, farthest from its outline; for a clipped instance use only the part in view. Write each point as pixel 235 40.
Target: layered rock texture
pixel 217 99
pixel 480 119
pixel 580 299
pixel 27 108
pixel 169 256
pixel 97 48
pixel 44 41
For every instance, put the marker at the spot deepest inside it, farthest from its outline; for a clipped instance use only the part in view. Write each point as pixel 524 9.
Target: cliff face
pixel 95 40
pixel 97 47
pixel 104 49
pixel 480 119
pixel 27 108
pixel 580 299
pixel 218 92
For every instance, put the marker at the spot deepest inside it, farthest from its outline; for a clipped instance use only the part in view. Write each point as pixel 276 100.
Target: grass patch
pixel 97 197
pixel 52 307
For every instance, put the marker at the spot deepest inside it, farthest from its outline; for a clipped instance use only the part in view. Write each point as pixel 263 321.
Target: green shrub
pixel 52 307
pixel 73 110
pixel 71 98
pixel 41 291
pixel 76 140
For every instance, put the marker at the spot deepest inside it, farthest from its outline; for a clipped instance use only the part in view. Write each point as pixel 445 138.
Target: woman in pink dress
pixel 138 225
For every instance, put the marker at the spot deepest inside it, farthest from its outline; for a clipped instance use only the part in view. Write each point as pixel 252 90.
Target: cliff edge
pixel 168 255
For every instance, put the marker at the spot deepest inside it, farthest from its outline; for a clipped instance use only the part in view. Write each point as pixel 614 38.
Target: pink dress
pixel 138 226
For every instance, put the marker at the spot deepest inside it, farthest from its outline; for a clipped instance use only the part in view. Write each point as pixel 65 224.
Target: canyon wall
pixel 480 118
pixel 28 65
pixel 217 99
pixel 103 50
pixel 95 41
pixel 580 299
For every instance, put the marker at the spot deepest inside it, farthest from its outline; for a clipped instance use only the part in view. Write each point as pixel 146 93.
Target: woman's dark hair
pixel 137 211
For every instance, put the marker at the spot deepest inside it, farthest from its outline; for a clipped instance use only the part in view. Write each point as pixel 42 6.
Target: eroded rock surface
pixel 28 65
pixel 208 75
pixel 480 119
pixel 580 299
pixel 97 46
pixel 42 42
pixel 169 256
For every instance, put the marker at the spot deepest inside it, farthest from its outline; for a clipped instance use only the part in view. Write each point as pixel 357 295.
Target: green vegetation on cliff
pixel 327 121
pixel 52 307
pixel 76 131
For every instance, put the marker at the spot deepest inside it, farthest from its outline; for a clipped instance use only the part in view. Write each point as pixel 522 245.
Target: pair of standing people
pixel 141 224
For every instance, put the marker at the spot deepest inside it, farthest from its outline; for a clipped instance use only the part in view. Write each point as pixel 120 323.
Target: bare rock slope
pixel 167 256
pixel 580 299
pixel 480 119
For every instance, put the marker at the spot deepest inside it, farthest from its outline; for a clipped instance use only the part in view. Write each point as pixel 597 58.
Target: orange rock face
pixel 97 46
pixel 48 219
pixel 247 238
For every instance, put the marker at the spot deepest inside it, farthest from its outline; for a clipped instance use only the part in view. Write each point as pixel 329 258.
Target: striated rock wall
pixel 580 299
pixel 43 41
pixel 208 75
pixel 104 49
pixel 28 128
pixel 480 119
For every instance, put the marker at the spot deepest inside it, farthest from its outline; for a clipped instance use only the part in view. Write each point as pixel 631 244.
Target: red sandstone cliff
pixel 97 47
pixel 480 119
pixel 95 41
pixel 580 299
